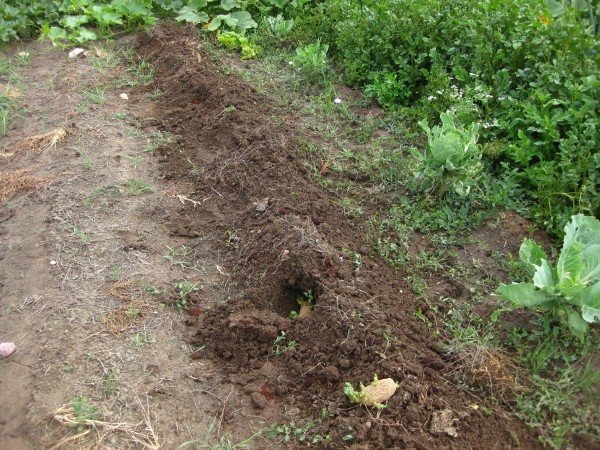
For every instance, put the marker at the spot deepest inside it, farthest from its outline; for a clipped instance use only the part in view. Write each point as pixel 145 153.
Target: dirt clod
pixel 258 400
pixel 443 422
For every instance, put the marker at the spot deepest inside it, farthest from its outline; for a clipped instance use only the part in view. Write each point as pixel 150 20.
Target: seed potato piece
pixel 380 392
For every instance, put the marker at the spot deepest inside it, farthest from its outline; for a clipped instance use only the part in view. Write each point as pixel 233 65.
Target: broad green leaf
pixel 244 20
pixel 523 294
pixel 555 8
pixel 589 300
pixel 198 4
pixel 74 21
pixel 570 264
pixel 228 5
pixel 584 229
pixel 531 254
pixel 579 5
pixel 278 3
pixel 543 276
pixel 191 15
pixel 83 35
pixel 215 24
pixel 230 21
pixel 106 16
pixel 591 260
pixel 577 325
pixel 56 34
pixel 220 19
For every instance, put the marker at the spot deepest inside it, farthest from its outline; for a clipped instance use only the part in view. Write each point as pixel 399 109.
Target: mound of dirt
pixel 281 237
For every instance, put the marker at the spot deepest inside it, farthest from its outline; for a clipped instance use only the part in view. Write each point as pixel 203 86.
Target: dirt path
pixel 87 268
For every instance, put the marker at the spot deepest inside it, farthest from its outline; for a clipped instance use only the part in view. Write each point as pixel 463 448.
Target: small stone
pixel 76 52
pixel 258 400
pixel 7 349
pixel 124 96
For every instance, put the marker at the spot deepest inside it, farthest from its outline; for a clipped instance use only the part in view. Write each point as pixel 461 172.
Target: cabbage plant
pixel 451 156
pixel 569 292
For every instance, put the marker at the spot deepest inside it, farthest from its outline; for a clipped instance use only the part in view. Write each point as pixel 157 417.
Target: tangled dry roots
pixel 485 368
pixel 16 181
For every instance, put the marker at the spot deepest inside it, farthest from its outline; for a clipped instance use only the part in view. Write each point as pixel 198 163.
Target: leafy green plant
pixel 275 29
pixel 451 157
pixel 84 412
pixel 234 40
pixel 389 89
pixel 312 61
pixel 570 292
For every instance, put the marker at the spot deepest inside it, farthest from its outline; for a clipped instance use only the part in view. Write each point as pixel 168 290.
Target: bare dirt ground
pixel 148 276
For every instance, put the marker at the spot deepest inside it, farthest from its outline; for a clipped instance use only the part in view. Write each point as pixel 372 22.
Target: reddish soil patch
pixel 281 235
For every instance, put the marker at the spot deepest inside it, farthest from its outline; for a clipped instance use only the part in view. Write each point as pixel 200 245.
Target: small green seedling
pixel 280 346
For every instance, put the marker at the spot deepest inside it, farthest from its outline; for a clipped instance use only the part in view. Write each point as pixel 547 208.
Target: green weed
pixel 84 412
pixel 84 237
pixel 138 187
pixel 110 383
pixel 142 338
pixel 184 290
pixel 96 95
pixel 87 161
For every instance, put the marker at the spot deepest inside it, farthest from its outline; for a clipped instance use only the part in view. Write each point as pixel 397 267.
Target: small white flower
pixel 431 97
pixel 23 54
pixel 337 100
pixel 501 98
pixel 291 63
pixel 440 92
pixel 472 74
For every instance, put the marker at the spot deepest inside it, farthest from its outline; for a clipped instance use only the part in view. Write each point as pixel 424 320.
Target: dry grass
pixel 90 433
pixel 119 320
pixel 17 181
pixel 41 142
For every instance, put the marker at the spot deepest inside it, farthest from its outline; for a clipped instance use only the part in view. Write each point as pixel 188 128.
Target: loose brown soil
pixel 282 235
pixel 236 213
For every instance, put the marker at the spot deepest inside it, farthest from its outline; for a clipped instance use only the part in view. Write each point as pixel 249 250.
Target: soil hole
pixel 295 302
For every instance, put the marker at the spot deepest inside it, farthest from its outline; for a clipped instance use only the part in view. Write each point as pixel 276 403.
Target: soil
pixel 236 213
